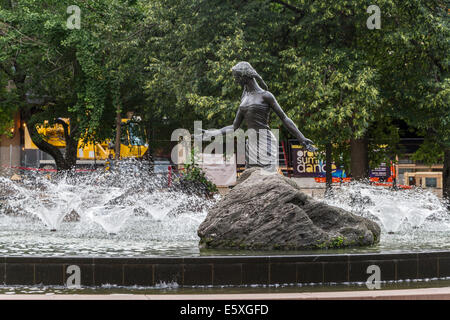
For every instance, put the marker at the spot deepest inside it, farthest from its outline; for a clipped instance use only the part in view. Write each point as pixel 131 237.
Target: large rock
pixel 268 212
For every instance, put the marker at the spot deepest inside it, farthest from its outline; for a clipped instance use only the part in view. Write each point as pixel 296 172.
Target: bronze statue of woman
pixel 255 108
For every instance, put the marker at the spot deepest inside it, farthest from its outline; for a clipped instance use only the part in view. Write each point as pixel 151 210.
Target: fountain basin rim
pixel 224 270
pixel 313 257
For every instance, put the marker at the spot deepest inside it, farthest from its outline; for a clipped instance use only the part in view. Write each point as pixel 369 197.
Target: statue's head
pixel 243 72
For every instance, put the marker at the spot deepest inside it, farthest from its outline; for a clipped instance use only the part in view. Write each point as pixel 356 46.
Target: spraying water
pixel 409 219
pixel 130 212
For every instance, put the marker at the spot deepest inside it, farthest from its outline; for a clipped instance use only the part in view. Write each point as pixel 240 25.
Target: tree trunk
pixel 70 132
pixel 329 160
pixel 71 152
pixel 43 145
pixel 359 167
pixel 118 133
pixel 63 162
pixel 446 175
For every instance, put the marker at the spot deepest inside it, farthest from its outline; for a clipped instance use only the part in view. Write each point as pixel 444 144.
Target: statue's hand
pixel 309 145
pixel 311 148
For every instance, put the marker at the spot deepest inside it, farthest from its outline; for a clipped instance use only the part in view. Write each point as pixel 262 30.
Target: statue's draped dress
pixel 261 148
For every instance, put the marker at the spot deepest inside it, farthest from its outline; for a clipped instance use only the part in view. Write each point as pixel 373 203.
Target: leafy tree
pixel 86 75
pixel 7 105
pixel 311 62
pixel 413 58
pixel 338 80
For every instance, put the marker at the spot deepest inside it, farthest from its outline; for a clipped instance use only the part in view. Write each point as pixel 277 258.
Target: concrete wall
pixel 10 151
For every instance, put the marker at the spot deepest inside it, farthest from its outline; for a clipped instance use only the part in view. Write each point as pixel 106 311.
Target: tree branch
pixel 31 39
pixel 289 6
pixel 65 127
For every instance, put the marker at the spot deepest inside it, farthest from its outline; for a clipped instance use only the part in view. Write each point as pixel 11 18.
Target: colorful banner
pixel 306 163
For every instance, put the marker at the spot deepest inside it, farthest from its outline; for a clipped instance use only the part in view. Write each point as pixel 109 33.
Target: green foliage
pixel 170 61
pixel 384 145
pixel 84 74
pixel 7 106
pixel 337 242
pixel 327 70
pixel 334 243
pixel 195 174
pixel 413 58
pixel 429 153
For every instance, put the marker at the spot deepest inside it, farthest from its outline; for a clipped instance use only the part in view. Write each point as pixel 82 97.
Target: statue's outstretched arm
pixel 236 124
pixel 288 123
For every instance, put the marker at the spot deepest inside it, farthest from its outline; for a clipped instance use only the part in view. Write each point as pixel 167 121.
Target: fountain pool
pixel 133 213
pixel 128 227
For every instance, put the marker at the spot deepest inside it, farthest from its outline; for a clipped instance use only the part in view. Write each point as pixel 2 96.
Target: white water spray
pixel 394 210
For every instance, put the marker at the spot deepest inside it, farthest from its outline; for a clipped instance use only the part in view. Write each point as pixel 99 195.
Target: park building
pixel 416 173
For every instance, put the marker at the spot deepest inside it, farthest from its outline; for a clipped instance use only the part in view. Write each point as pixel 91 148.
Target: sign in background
pixel 383 171
pixel 307 164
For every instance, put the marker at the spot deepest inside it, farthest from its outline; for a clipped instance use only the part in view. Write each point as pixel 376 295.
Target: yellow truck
pixel 133 145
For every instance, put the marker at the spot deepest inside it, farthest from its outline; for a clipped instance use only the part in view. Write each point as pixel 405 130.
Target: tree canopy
pixel 81 74
pixel 336 78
